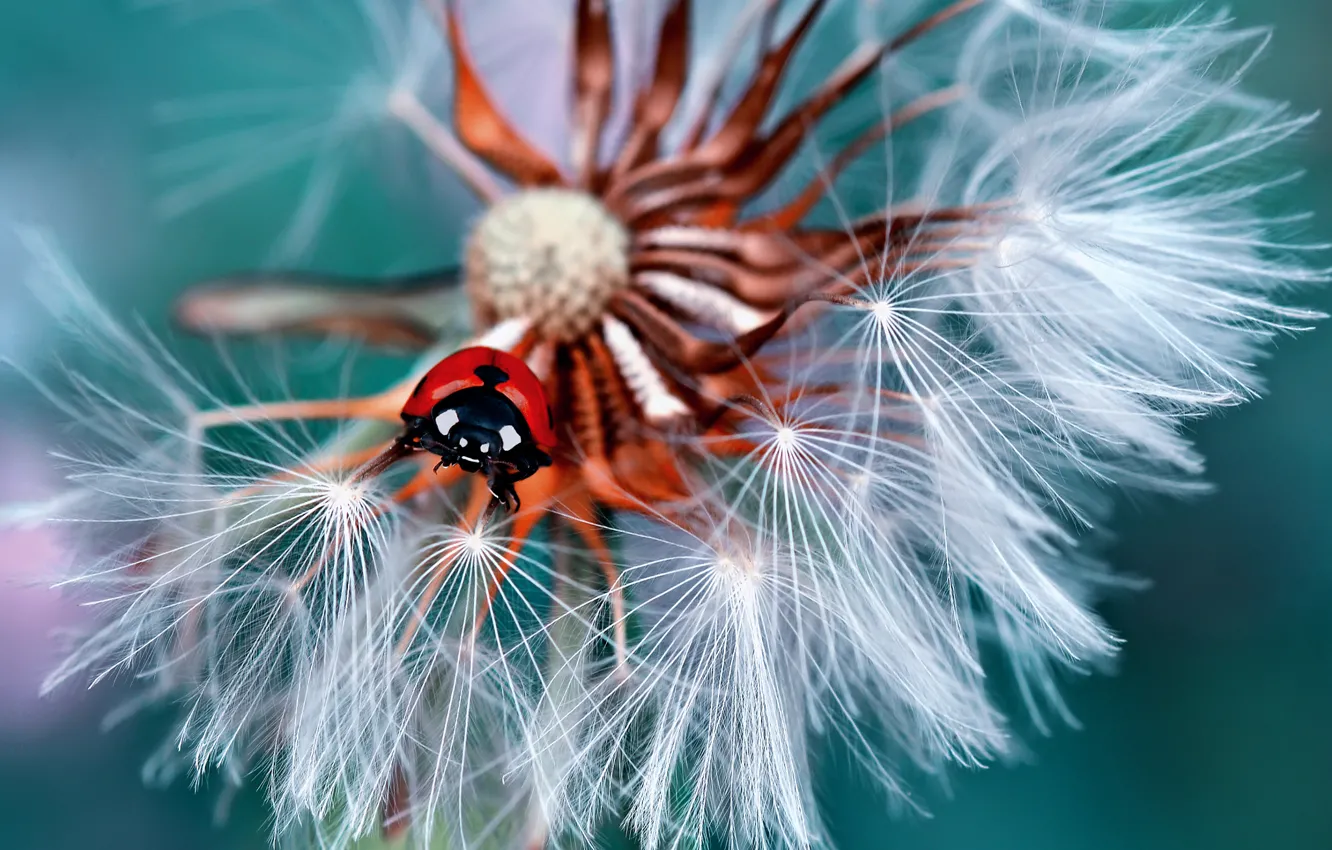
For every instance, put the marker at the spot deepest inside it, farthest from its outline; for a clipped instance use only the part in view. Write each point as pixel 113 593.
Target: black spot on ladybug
pixel 491 375
pixel 419 385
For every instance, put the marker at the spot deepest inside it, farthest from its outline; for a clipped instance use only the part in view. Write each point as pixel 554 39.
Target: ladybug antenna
pixel 397 450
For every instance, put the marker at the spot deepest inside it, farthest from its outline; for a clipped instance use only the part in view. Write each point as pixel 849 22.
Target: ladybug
pixel 485 411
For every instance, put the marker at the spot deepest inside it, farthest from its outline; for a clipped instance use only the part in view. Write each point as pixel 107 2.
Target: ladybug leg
pixel 503 473
pixel 501 487
pixel 524 464
pixel 397 450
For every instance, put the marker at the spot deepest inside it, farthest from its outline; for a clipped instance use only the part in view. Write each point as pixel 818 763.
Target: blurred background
pixel 1216 731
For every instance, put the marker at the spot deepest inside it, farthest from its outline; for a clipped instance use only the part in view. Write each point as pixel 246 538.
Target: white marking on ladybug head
pixel 510 437
pixel 462 442
pixel 554 256
pixel 485 447
pixel 446 420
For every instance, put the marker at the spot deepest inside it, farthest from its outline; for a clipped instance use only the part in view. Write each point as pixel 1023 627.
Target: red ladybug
pixel 484 410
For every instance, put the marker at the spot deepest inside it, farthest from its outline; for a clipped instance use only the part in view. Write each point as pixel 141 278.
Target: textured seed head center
pixel 553 256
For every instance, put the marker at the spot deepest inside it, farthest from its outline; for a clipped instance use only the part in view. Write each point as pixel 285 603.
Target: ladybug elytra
pixel 485 411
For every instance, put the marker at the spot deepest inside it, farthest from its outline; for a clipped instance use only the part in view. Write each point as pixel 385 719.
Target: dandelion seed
pixel 838 349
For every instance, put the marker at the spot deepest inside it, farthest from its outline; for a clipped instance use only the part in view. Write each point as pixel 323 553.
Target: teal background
pixel 1215 733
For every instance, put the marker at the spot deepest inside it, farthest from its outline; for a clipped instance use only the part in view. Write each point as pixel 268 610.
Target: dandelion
pixel 841 355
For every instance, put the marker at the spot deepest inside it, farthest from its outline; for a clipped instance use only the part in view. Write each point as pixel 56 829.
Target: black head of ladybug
pixel 475 427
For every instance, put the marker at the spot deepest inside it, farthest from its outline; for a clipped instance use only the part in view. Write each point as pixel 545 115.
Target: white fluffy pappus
pixel 290 605
pixel 1134 276
pixel 196 532
pixel 419 691
pixel 1076 261
pixel 1122 280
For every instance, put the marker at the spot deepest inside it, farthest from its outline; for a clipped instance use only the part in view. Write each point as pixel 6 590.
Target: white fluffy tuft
pixel 914 491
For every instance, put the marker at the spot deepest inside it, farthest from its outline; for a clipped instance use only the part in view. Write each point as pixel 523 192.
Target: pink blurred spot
pixel 29 610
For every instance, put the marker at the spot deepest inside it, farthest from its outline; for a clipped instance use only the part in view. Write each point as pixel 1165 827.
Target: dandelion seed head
pixel 347 498
pixel 834 417
pixel 476 544
pixel 552 256
pixel 884 313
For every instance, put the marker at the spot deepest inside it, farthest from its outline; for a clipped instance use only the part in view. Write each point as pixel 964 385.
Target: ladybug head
pixel 476 426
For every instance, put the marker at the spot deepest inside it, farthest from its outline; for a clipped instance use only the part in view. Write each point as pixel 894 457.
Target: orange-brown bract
pixel 466 368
